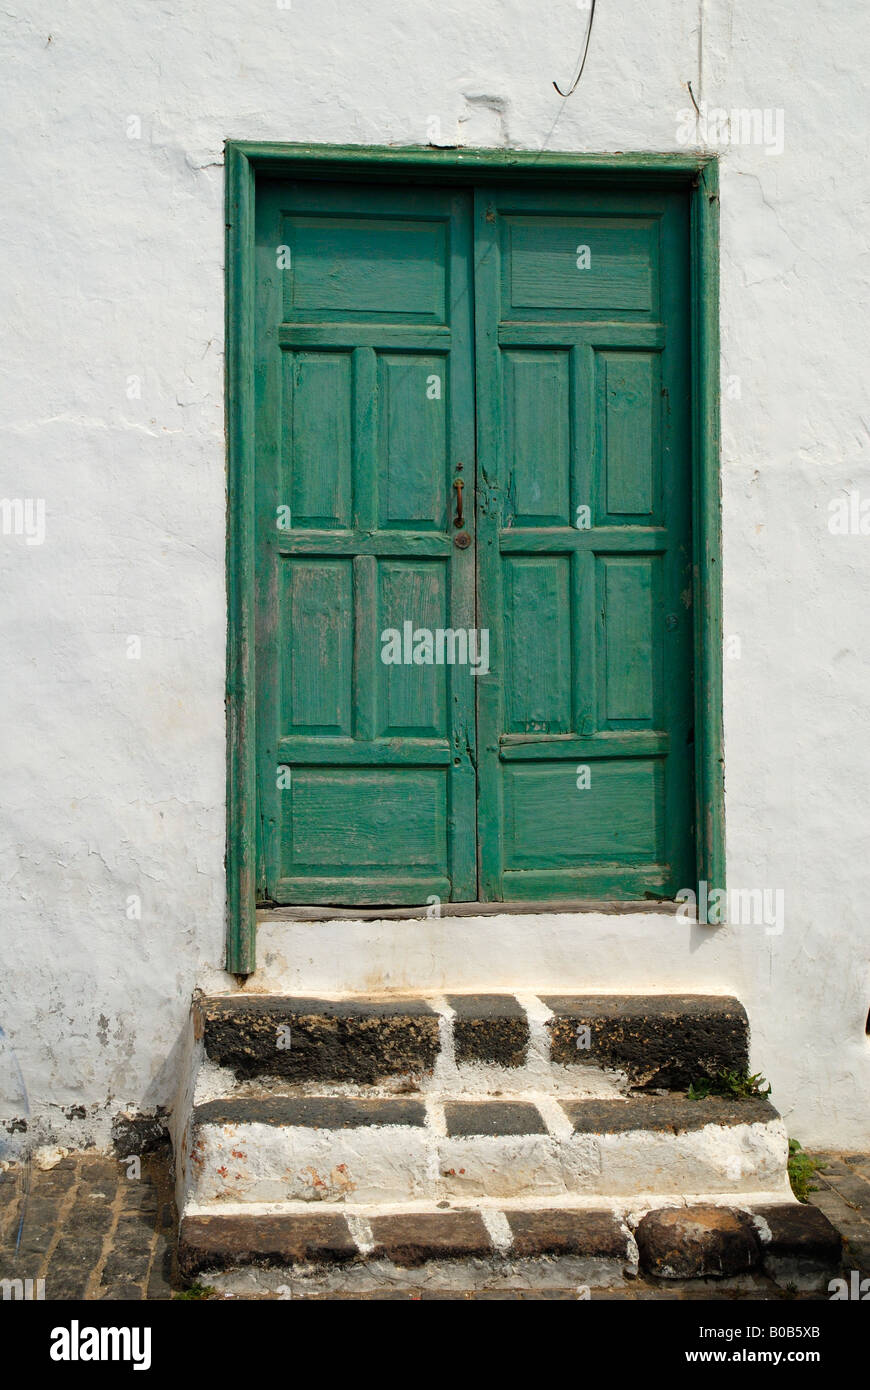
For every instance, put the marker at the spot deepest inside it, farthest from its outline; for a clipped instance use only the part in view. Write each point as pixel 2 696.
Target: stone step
pixel 304 1252
pixel 292 1148
pixel 639 1041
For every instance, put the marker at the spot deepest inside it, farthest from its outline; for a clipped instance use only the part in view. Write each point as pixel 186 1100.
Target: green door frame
pixel 698 174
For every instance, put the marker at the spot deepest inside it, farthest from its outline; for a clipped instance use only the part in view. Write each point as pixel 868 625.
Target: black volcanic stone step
pixel 310 1112
pixel 417 1237
pixel 658 1040
pixel 489 1028
pixel 466 1118
pixel 666 1114
pixel 319 1039
pixel 803 1246
pixel 224 1242
pixel 552 1231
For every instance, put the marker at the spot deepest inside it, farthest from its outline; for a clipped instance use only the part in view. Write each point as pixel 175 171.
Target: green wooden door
pixel 398 332
pixel 584 544
pixel 365 417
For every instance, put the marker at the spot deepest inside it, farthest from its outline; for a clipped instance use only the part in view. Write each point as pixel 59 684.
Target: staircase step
pixel 650 1041
pixel 489 1028
pixel 472 1118
pixel 659 1041
pixel 406 1239
pixel 394 1150
pixel 674 1114
pixel 320 1039
pixel 311 1112
pixel 490 1248
pixel 221 1242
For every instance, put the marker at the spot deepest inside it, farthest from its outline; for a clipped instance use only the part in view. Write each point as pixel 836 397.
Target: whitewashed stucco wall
pixel 113 768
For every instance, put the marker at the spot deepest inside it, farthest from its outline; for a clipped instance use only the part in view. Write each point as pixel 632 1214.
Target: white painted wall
pixel 113 769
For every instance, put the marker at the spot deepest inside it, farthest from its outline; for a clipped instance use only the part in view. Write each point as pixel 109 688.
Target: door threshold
pixel 322 913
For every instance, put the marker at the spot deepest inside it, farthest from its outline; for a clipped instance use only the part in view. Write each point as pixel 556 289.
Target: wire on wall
pixel 583 57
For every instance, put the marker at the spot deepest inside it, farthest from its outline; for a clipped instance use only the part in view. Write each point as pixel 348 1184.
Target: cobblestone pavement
pixel 843 1194
pixel 90 1231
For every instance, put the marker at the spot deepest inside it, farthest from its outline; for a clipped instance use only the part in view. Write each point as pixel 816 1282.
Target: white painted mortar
pixel 113 769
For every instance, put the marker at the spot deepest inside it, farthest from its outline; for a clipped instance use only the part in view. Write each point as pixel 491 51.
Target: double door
pixel 474 583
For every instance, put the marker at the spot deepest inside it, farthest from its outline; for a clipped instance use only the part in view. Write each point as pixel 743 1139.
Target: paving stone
pixel 131 1266
pixel 413 1239
pixel 21 1264
pixel 134 1233
pixel 489 1028
pixel 658 1040
pixel 137 1218
pixel 696 1242
pixel 65 1281
pixel 54 1183
pixel 94 1195
pixel 312 1112
pixel 331 1040
pixel 466 1118
pixel 553 1232
pixel 100 1172
pixel 674 1114
pixel 75 1254
pixel 160 1280
pixel 10 1187
pixel 123 1293
pixel 36 1239
pixel 92 1217
pixel 40 1215
pixel 819 1183
pixel 828 1201
pixel 139 1196
pixel 835 1206
pixel 860 1164
pixel 854 1189
pixel 222 1242
pixel 832 1166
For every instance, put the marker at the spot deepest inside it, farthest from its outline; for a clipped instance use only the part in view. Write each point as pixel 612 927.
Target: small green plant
pixel 732 1085
pixel 196 1291
pixel 800 1170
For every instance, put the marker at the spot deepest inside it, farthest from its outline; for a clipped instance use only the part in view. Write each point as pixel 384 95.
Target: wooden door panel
pixel 365 409
pixel 584 539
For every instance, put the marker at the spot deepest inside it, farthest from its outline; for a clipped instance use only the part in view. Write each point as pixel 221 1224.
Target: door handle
pixel 458 519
